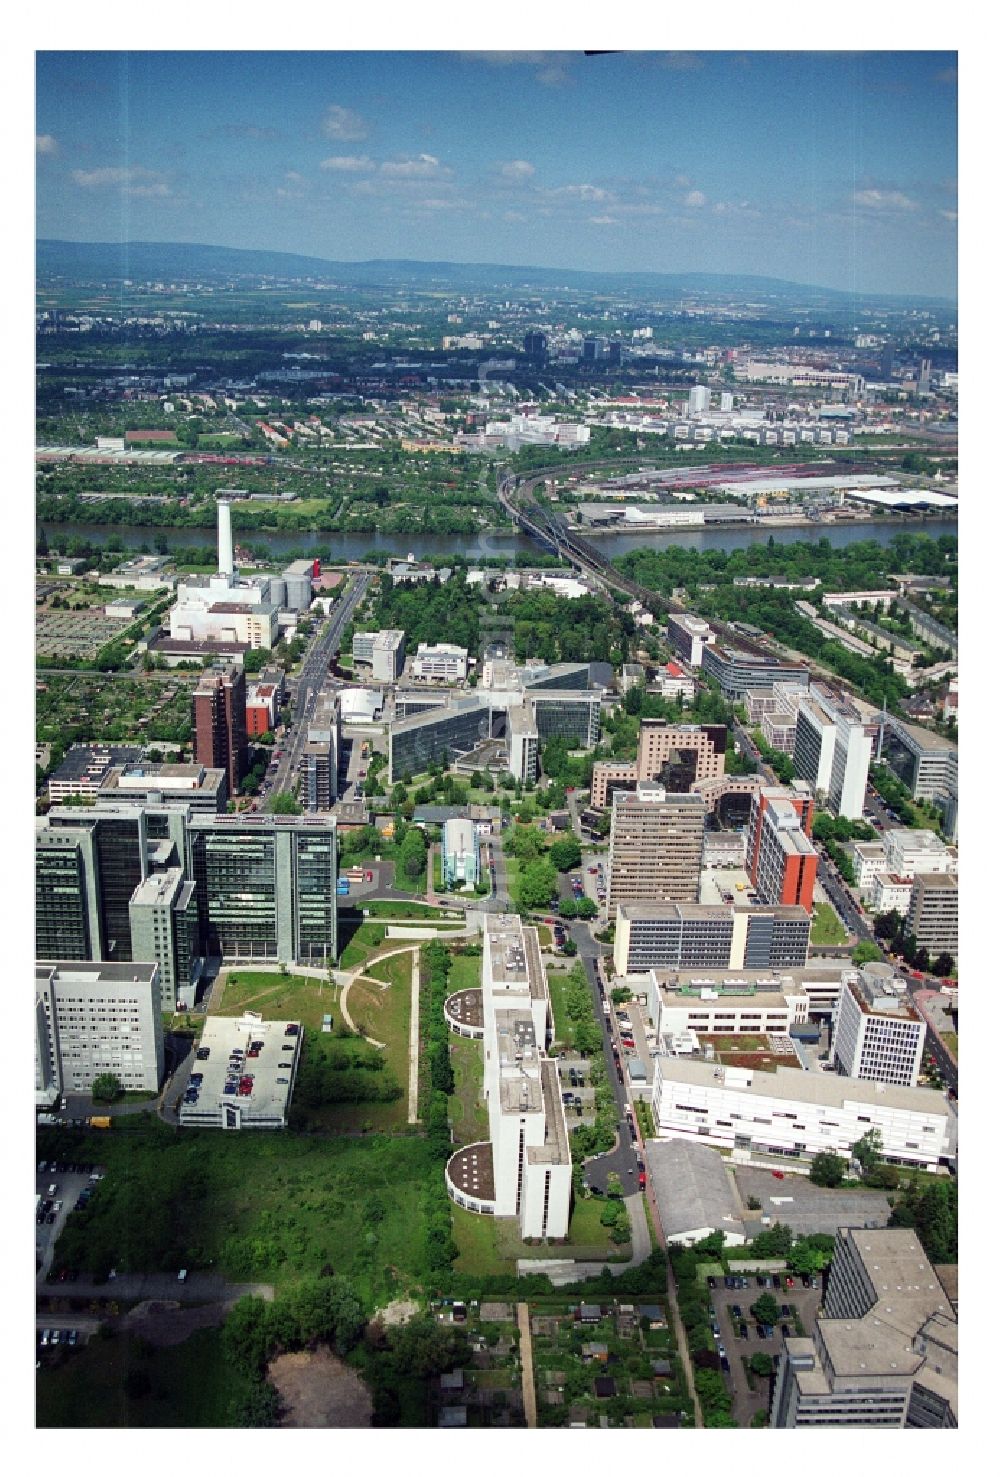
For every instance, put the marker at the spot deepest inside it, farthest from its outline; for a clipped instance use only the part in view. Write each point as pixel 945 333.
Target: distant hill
pixel 175 260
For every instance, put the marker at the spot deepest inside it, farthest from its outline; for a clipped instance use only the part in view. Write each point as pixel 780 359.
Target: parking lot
pixel 594 875
pixel 60 1187
pixel 577 1094
pixel 629 1026
pixel 740 1335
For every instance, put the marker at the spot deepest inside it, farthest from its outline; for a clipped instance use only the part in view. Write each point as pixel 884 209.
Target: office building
pixel 926 763
pixel 320 757
pixel 383 651
pixel 522 732
pixel 887 893
pixel 93 1018
pixel 933 913
pixel 86 767
pixel 690 635
pixel 730 1010
pixel 877 1034
pixel 909 852
pixel 833 749
pixel 266 886
pixel 238 1045
pixel 699 399
pixel 675 755
pixel 191 785
pixel 783 861
pixel 885 1351
pixel 524 1171
pixel 459 853
pixel 440 663
pixel 694 935
pixel 220 724
pixel 868 860
pixel 674 683
pixel 67 911
pixel 163 917
pixel 795 1114
pixel 656 846
pixel 740 672
pixel 535 344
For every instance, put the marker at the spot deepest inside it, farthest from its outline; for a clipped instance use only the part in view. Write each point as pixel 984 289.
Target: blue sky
pixel 831 168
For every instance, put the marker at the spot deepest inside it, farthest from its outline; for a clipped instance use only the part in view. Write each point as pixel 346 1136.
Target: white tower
pixel 225 539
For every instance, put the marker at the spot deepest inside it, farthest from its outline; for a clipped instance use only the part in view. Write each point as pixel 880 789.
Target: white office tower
pixel 225 538
pixel 525 1169
pixel 877 1034
pixel 95 1017
pixel 726 402
pixel 833 749
pixel 698 400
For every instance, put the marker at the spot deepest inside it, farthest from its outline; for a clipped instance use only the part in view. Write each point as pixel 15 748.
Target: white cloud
pixel 344 123
pixel 424 166
pixel 949 215
pixel 582 192
pixel 695 198
pixel 348 163
pixel 552 76
pixel 602 220
pixel 517 169
pixel 884 200
pixel 45 144
pixel 142 183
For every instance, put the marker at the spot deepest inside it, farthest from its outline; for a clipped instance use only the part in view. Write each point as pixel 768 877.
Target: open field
pixel 278 997
pixel 120 1381
pixel 492 1246
pixel 467 1113
pixel 827 927
pixel 561 1024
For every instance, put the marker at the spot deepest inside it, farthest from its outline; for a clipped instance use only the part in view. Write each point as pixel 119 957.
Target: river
pixel 342 548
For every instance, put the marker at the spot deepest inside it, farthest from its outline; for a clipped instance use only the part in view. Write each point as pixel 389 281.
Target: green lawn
pixel 488 1245
pixel 278 997
pixel 827 927
pixel 385 1016
pixel 466 972
pixel 467 1113
pixel 364 941
pixel 561 1023
pixel 189 1385
pixel 386 908
pixel 950 1039
pixel 268 1206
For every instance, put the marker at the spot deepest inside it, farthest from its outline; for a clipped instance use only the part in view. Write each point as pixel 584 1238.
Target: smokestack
pixel 225 539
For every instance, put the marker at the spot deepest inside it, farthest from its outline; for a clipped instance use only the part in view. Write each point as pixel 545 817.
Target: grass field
pixel 827 927
pixel 363 942
pixel 188 1385
pixel 261 1206
pixel 561 1023
pixel 950 1039
pixel 278 997
pixel 386 908
pixel 466 972
pixel 467 1113
pixel 385 1016
pixel 487 1245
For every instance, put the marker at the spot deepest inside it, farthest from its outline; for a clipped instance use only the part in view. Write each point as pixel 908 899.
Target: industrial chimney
pixel 225 539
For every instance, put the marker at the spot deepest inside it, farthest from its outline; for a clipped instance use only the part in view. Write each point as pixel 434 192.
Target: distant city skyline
pixel 835 169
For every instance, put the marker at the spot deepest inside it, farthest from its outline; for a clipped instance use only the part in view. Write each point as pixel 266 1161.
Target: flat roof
pixel 273 1070
pixel 95 972
pixel 822 1088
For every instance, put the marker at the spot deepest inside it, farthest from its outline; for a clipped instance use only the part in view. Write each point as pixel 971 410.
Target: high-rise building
pixel 782 859
pixel 591 350
pixel 924 379
pixel 698 399
pixel 320 757
pixel 833 749
pixel 525 1169
pixel 885 1352
pixel 675 755
pixel 67 893
pixel 163 914
pixel 933 913
pixel 220 724
pixel 705 935
pixel 656 846
pixel 615 351
pixel 877 1034
pixel 93 1018
pixel 535 344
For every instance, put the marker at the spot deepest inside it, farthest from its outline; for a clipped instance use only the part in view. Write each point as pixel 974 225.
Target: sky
pixel 831 168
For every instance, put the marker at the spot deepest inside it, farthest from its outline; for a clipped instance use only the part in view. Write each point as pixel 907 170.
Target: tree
pixel 259 1407
pixel 944 966
pixel 566 853
pixel 105 1088
pixel 586 908
pixel 413 853
pixel 766 1309
pixel 567 907
pixel 285 804
pixel 866 953
pixel 536 885
pixel 760 1363
pixel 827 1169
pixel 868 1150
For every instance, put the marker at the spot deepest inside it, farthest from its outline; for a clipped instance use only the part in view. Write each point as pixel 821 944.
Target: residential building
pixel 525 1170
pixel 163 917
pixel 867 859
pixel 699 399
pixel 262 708
pixel 94 1018
pixel 443 662
pixel 459 853
pixel 795 1114
pixel 933 913
pixel 877 1034
pixel 690 935
pixel 885 1351
pixel 656 846
pixel 783 861
pixel 220 724
pixel 674 683
pixel 383 651
pixel 887 892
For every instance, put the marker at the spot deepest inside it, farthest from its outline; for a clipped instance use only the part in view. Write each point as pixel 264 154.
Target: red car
pixel 369 876
pixel 779 1174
